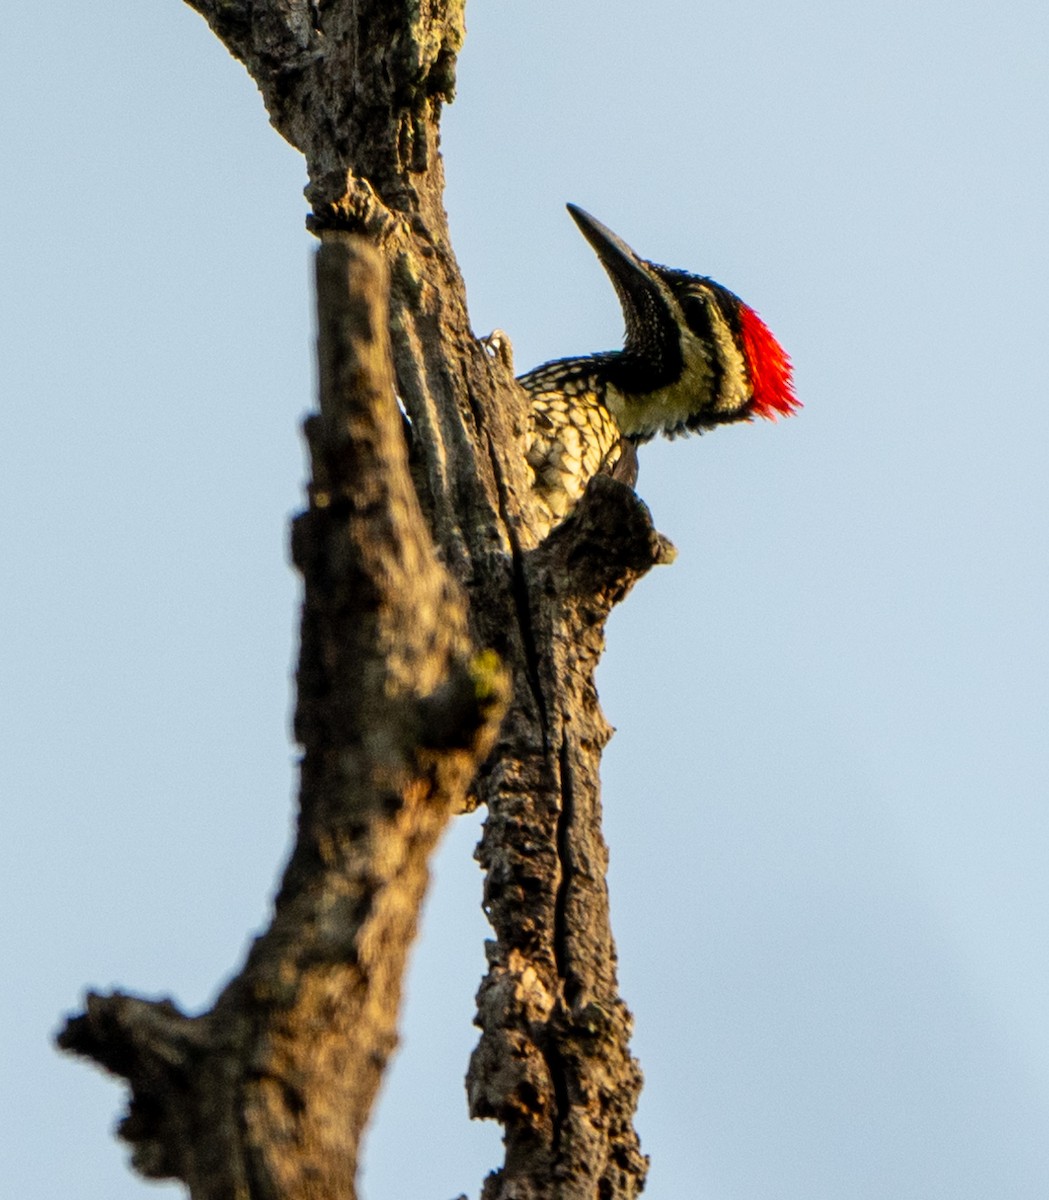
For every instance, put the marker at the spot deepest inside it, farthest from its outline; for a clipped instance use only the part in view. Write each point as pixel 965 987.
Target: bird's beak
pixel 641 292
pixel 615 255
pixel 622 264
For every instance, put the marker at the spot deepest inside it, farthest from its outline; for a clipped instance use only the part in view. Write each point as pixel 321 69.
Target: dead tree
pixel 447 658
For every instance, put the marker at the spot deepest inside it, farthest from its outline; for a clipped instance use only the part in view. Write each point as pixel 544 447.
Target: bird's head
pixel 692 340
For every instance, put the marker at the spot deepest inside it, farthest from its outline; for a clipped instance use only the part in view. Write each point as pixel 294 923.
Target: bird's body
pixel 695 357
pixel 574 434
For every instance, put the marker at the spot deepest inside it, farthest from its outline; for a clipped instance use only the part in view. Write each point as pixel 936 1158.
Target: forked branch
pixel 428 610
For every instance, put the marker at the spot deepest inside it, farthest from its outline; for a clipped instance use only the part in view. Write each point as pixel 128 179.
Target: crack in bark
pixel 523 606
pixel 562 946
pixel 565 820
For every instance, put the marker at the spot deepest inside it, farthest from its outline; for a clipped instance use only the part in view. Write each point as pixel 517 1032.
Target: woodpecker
pixel 694 356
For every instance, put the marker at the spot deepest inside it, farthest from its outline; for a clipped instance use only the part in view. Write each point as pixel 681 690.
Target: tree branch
pixel 332 72
pixel 411 558
pixel 267 1094
pixel 553 1063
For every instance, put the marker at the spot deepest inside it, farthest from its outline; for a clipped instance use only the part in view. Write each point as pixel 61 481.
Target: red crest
pixel 771 377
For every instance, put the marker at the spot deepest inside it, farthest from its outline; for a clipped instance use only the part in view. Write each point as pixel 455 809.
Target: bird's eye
pixel 695 306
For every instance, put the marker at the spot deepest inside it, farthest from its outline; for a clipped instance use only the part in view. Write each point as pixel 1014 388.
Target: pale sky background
pixel 827 799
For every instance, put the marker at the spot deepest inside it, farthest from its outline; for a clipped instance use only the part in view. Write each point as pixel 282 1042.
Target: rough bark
pixel 429 611
pixel 553 1064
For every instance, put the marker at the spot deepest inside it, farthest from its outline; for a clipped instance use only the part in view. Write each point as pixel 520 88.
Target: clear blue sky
pixel 827 799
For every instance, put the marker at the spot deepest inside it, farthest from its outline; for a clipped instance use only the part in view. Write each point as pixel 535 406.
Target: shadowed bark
pixel 445 658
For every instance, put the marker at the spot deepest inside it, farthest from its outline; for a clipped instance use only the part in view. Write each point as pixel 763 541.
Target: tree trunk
pixel 446 658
